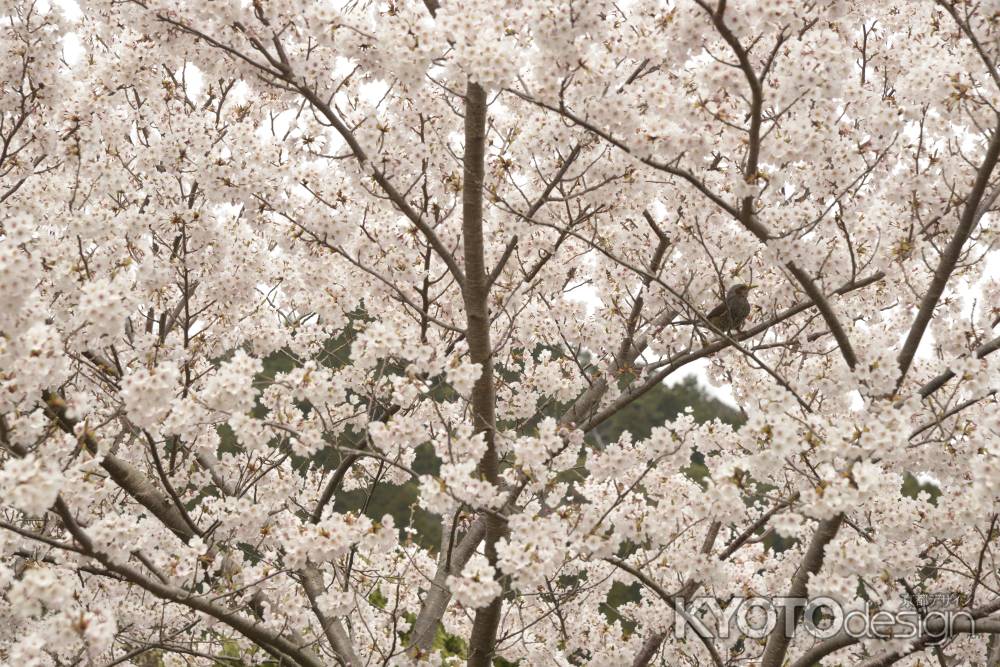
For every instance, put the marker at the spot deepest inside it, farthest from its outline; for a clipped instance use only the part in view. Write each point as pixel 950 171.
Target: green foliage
pixel 450 646
pixel 639 418
pixel 400 502
pixel 230 655
pixel 662 403
pixel 377 599
pixel 912 487
pixel 618 595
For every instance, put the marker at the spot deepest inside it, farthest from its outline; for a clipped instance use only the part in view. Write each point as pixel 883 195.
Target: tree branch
pixel 949 257
pixel 812 561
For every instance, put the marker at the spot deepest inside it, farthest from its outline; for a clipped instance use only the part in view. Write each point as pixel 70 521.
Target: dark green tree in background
pixel 661 404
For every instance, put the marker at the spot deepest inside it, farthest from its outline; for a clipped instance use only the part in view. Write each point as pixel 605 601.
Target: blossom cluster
pixel 319 323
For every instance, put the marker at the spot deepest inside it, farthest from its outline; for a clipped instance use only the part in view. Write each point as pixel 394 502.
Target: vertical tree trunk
pixel 476 295
pixel 812 561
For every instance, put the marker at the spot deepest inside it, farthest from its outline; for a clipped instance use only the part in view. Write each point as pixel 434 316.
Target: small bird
pixel 730 314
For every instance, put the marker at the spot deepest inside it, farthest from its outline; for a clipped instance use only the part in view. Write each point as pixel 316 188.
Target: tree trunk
pixel 476 295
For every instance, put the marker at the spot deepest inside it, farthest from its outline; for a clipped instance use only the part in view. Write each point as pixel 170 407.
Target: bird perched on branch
pixel 729 314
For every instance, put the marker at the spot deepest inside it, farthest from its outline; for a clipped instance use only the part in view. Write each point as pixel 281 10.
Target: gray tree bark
pixel 476 293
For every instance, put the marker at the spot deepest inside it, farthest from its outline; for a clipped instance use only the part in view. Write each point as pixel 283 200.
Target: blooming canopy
pixel 476 231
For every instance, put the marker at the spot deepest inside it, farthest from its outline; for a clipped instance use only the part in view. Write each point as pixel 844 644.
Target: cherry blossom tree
pixel 482 229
